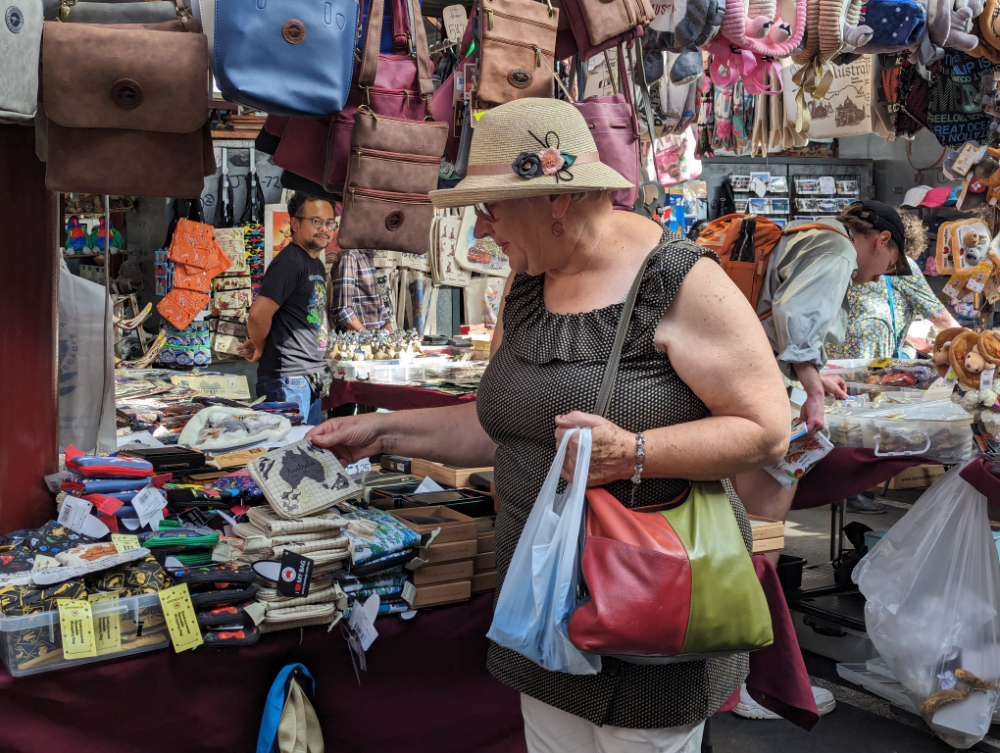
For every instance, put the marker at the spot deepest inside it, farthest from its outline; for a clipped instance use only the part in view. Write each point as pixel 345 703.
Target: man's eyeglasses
pixel 319 222
pixel 485 212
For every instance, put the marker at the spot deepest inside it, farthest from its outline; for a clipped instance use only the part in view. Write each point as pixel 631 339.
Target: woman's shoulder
pixel 673 258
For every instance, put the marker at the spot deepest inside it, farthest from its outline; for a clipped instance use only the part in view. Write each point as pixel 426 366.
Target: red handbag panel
pixel 640 601
pixel 646 530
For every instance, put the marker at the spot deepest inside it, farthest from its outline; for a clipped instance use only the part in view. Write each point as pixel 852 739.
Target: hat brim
pixel 593 176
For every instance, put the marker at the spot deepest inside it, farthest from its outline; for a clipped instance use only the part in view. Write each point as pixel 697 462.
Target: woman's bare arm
pixel 718 348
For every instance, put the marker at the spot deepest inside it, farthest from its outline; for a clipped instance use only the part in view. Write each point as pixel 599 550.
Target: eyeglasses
pixel 319 222
pixel 485 212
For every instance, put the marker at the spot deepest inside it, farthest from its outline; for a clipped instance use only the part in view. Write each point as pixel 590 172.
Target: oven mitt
pixel 215 577
pixel 78 484
pixel 52 538
pixel 144 576
pixel 223 597
pixel 235 614
pixel 246 636
pixel 107 467
pixel 20 600
pixel 15 560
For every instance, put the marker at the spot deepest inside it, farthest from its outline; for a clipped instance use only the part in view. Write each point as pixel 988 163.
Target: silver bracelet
pixel 640 455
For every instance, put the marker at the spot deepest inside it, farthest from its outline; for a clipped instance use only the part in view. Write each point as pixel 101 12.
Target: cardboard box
pixel 482 582
pixel 446 573
pixel 485 525
pixel 462 527
pixel 483 562
pixel 454 550
pixel 765 528
pixel 444 474
pixel 768 545
pixel 486 542
pixel 917 477
pixel 440 593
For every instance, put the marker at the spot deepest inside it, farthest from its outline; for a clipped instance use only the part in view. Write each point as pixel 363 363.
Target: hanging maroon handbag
pixel 305 147
pixel 400 87
pixel 615 127
pixel 610 21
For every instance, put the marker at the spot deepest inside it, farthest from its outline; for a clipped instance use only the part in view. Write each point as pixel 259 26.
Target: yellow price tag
pixel 77 625
pixel 124 542
pixel 181 621
pixel 879 363
pixel 43 563
pixel 107 627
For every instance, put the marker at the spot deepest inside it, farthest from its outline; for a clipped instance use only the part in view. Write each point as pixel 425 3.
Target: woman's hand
pixel 351 438
pixel 834 385
pixel 612 455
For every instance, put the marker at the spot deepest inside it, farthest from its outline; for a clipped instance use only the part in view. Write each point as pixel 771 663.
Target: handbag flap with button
pixel 129 116
pixel 132 79
pixel 517 50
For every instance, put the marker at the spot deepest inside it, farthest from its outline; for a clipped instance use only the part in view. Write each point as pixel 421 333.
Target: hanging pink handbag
pixel 402 88
pixel 615 128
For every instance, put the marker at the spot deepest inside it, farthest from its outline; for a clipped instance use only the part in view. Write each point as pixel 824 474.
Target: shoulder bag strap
pixel 611 370
pixel 892 315
pixel 373 37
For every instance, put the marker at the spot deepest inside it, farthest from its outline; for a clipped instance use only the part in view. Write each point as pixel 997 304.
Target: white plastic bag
pixel 932 586
pixel 86 366
pixel 540 591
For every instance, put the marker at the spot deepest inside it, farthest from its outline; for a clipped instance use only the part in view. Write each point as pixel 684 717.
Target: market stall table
pixel 426 689
pixel 390 396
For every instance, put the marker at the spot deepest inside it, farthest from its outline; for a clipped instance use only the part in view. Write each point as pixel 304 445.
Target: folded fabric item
pixel 385 606
pixel 234 614
pixel 271 524
pixel 352 584
pixel 304 612
pixel 248 530
pixel 144 576
pixel 86 554
pixel 107 467
pixel 214 577
pixel 103 486
pixel 125 497
pixel 179 498
pixel 53 537
pixel 103 504
pixel 327 621
pixel 220 639
pixel 301 479
pixel 271 599
pixel 384 593
pixel 223 597
pixel 239 481
pixel 390 535
pixel 181 538
pixel 191 558
pixel 385 562
pixel 15 560
pixel 307 548
pixel 19 600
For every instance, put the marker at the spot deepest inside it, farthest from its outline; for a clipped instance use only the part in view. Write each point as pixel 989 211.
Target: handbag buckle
pixel 64 8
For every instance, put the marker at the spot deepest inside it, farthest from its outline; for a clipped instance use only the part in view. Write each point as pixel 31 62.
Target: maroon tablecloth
pixel 426 689
pixel 778 677
pixel 390 396
pixel 847 471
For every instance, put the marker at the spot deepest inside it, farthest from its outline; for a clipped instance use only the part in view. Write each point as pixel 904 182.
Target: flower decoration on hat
pixel 548 161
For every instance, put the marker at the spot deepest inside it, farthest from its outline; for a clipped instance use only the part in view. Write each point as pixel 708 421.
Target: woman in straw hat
pixel 697 380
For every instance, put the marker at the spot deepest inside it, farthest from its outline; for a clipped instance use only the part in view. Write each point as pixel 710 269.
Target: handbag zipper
pixel 539 52
pixel 391 196
pixel 396 157
pixel 490 13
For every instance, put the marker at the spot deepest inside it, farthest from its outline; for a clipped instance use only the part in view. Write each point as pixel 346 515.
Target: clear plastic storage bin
pixel 32 643
pixel 941 431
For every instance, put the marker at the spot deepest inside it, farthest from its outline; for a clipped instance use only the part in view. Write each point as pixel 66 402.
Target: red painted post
pixel 29 317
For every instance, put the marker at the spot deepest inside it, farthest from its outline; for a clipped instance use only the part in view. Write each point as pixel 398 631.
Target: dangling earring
pixel 557 228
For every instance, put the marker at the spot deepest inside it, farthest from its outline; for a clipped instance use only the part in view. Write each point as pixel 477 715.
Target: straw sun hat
pixel 530 147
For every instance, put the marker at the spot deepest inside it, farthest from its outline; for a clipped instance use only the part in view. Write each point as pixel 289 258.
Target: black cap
pixel 884 217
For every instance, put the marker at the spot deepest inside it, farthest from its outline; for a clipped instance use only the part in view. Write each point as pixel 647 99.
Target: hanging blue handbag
pixel 283 57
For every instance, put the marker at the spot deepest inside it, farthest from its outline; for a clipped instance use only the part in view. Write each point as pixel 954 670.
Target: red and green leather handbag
pixel 667 583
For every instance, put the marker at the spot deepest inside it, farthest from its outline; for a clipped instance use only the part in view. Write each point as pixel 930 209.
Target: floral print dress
pixel 870 324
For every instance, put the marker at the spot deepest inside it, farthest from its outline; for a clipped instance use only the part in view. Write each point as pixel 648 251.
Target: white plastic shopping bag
pixel 540 591
pixel 932 586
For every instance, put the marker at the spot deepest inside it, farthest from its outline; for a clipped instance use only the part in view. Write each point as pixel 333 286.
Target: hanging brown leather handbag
pixel 129 116
pixel 394 165
pixel 517 42
pixel 605 20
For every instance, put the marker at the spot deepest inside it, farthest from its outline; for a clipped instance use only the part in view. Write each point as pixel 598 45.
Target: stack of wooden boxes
pixel 449 561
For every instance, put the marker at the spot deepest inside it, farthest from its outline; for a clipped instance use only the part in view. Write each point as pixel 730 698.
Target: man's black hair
pixel 299 199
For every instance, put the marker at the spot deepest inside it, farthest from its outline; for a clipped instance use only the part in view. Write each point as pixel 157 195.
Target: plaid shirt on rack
pixel 356 293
